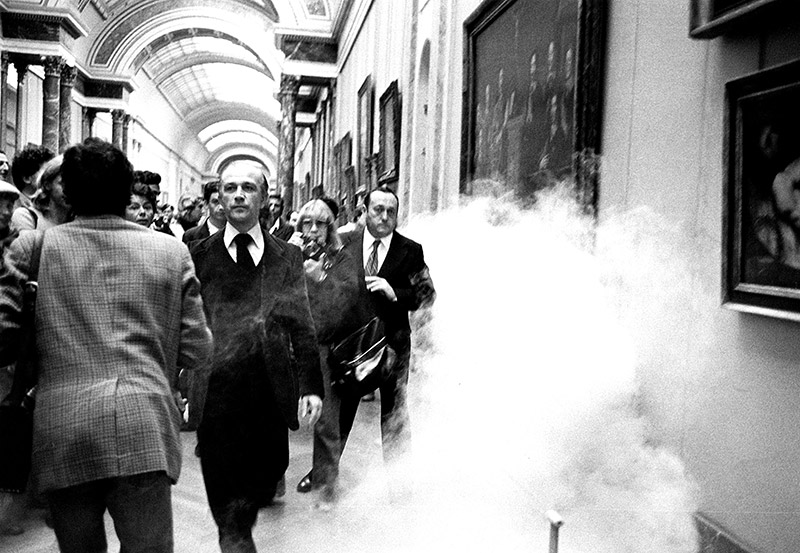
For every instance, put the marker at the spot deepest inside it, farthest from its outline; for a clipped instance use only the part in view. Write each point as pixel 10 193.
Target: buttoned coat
pixel 285 326
pixel 118 313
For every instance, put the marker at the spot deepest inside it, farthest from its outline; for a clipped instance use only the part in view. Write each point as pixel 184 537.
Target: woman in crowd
pixel 50 207
pixel 331 278
pixel 142 206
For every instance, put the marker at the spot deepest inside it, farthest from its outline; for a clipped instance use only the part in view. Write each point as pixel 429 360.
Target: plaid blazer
pixel 118 313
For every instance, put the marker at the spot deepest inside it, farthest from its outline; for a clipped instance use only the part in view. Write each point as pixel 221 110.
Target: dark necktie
pixel 243 258
pixel 372 263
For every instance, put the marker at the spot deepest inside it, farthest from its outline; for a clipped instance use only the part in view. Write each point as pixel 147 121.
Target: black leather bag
pixel 358 361
pixel 16 410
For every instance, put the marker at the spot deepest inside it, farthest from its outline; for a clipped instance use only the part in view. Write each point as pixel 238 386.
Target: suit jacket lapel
pixel 394 257
pixel 273 274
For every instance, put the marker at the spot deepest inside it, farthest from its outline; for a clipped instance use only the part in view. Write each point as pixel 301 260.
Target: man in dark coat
pixel 265 373
pixel 215 215
pixel 280 228
pixel 396 281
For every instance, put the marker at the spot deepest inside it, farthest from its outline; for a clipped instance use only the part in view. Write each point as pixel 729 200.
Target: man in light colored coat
pixel 118 314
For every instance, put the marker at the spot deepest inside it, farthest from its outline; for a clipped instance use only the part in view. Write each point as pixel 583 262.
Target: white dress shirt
pixel 383 249
pixel 256 246
pixel 212 229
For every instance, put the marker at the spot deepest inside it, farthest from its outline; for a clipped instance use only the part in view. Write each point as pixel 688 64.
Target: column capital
pixel 5 59
pixel 68 75
pixel 22 69
pixel 53 66
pixel 118 115
pixel 290 85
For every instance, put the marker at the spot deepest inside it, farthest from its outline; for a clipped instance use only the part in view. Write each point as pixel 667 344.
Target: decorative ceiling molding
pixel 202 58
pixel 305 48
pixel 38 26
pixel 201 118
pixel 236 125
pixel 235 152
pixel 191 32
pixel 155 17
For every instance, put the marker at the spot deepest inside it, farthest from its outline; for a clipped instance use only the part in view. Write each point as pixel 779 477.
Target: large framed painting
pixel 389 153
pixel 712 18
pixel 533 95
pixel 761 220
pixel 366 109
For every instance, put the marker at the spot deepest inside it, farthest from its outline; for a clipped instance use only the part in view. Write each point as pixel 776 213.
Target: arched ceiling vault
pixel 214 61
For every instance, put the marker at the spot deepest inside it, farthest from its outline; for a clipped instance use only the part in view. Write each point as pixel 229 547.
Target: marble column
pixel 87 122
pixel 52 103
pixel 3 98
pixel 126 124
pixel 68 75
pixel 22 70
pixel 290 84
pixel 117 125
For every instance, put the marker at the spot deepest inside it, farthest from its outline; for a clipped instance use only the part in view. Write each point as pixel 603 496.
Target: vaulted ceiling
pixel 214 61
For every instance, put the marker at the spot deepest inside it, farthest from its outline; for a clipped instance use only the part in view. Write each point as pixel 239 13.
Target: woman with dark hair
pixel 333 287
pixel 142 207
pixel 50 206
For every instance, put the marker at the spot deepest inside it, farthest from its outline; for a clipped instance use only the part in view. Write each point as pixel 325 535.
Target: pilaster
pixel 52 104
pixel 290 85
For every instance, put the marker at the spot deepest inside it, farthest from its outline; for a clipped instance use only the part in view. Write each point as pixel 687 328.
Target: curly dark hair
pixel 147 177
pixel 28 161
pixel 141 189
pixel 97 178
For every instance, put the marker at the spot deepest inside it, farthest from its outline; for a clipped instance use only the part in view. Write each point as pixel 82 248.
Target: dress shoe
pixel 305 485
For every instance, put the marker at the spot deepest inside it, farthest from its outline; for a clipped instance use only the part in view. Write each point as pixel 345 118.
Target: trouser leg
pixel 395 422
pixel 198 388
pixel 141 508
pixel 234 516
pixel 327 439
pixel 77 514
pixel 348 407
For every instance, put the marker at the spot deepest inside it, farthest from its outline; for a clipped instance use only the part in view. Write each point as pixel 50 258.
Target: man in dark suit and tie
pixel 280 228
pixel 396 281
pixel 215 218
pixel 265 373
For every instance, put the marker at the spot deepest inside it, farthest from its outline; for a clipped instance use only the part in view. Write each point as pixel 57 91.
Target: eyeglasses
pixel 309 223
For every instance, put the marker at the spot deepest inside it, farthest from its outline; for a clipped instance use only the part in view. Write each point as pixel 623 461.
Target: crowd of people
pixel 220 318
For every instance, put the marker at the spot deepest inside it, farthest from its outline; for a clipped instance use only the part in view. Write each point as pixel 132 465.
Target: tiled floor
pixel 287 526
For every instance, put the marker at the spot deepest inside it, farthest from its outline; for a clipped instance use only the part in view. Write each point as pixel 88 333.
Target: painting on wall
pixel 389 153
pixel 712 18
pixel 761 254
pixel 533 96
pixel 366 109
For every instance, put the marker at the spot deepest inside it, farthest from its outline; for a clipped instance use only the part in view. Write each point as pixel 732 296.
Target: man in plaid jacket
pixel 118 313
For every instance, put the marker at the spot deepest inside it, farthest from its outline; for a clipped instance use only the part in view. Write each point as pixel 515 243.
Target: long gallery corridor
pixel 558 160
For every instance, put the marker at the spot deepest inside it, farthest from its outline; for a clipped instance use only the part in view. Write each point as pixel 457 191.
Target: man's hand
pixel 309 408
pixel 378 284
pixel 181 402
